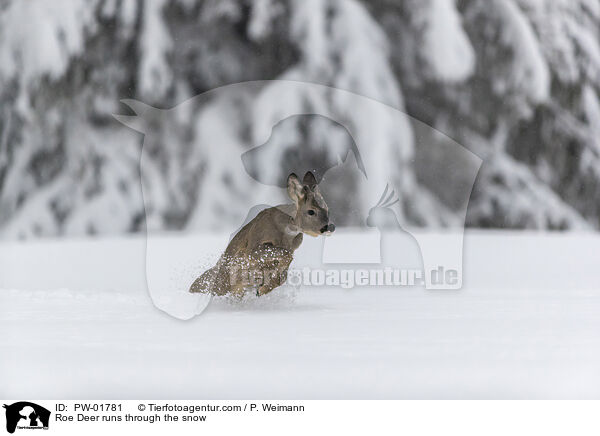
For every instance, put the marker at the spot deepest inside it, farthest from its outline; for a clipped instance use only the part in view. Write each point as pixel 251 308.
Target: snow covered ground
pixel 76 321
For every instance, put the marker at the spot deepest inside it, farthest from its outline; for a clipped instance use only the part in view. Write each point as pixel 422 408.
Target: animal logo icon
pixel 26 415
pixel 381 215
pixel 392 236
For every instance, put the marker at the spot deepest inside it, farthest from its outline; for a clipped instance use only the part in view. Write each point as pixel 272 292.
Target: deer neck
pixel 293 228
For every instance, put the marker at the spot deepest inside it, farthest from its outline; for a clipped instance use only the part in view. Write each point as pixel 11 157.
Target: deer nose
pixel 328 228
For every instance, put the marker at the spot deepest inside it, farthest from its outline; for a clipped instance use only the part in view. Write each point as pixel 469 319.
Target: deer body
pixel 259 255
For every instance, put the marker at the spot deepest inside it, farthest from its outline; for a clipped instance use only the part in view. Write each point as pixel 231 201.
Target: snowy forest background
pixel 515 81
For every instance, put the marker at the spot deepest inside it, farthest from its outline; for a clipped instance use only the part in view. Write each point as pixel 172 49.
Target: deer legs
pixel 260 271
pixel 268 266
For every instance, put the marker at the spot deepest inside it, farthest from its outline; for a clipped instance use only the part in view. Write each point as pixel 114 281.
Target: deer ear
pixel 294 188
pixel 309 179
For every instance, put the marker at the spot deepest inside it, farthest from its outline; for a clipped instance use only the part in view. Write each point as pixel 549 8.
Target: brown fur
pixel 259 255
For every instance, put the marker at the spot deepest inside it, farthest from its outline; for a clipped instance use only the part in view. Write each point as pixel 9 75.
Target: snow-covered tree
pixel 515 81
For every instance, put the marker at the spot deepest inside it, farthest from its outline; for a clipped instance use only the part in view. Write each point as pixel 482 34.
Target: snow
pixel 591 109
pixel 39 38
pixel 568 36
pixel 155 75
pixel 510 183
pixel 262 14
pixel 531 70
pixel 308 27
pixel 446 45
pixel 77 322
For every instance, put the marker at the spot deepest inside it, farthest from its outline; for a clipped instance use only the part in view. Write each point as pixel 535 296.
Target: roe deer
pixel 259 255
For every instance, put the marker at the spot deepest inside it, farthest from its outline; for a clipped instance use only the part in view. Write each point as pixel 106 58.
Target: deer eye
pixel 310 212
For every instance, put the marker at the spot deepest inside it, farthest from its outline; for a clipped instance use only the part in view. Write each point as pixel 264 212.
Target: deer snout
pixel 328 228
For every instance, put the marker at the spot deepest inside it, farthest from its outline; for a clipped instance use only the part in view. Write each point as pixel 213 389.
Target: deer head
pixel 312 214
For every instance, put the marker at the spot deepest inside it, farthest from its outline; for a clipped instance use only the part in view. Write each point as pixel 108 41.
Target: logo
pixel 385 175
pixel 26 415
